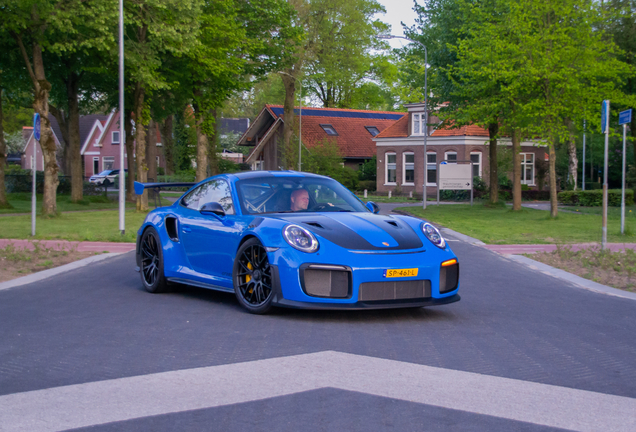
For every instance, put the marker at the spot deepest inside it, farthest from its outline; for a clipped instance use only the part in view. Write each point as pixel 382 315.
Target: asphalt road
pixel 521 351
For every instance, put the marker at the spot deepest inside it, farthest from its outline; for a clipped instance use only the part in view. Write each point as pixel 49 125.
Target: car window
pixel 104 173
pixel 212 191
pixel 274 195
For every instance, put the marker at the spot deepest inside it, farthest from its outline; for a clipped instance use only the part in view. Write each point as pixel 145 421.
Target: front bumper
pixel 367 284
pixel 395 304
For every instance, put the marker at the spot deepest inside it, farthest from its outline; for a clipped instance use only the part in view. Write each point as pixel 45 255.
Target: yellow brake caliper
pixel 248 277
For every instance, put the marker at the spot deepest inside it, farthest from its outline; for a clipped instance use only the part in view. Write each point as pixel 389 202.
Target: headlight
pixel 433 235
pixel 300 238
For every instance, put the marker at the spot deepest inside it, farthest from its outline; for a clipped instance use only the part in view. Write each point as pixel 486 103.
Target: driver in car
pixel 299 200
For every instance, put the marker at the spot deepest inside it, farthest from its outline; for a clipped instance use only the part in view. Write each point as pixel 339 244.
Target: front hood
pixel 358 231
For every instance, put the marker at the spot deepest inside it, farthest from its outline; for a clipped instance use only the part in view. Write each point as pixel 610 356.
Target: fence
pixel 24 183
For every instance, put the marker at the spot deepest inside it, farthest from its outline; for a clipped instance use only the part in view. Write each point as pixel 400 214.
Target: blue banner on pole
pixel 604 116
pixel 625 117
pixel 36 126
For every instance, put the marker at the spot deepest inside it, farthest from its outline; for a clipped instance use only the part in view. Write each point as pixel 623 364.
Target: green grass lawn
pixel 612 212
pixel 21 203
pixel 89 226
pixel 386 199
pixel 503 226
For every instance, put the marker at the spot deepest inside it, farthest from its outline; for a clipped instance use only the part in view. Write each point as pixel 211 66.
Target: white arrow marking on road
pixel 123 399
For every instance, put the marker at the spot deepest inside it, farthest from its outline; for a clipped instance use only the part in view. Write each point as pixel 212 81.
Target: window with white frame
pixel 115 138
pixel 419 123
pixel 475 158
pixel 158 161
pixel 527 168
pixel 108 162
pixel 390 174
pixel 95 165
pixel 408 168
pixel 431 169
pixel 450 156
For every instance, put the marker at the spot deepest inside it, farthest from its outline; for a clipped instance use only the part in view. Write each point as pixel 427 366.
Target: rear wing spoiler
pixel 156 187
pixel 140 187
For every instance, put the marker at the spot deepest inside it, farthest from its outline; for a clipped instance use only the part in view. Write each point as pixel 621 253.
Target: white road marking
pixel 123 399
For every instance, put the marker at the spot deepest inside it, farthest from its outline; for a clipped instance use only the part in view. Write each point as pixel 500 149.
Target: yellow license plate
pixel 400 273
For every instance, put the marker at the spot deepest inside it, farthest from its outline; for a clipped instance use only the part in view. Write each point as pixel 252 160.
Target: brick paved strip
pixel 177 391
pixel 534 248
pixel 69 245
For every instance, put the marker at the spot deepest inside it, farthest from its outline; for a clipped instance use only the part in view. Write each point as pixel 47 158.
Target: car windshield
pixel 105 173
pixel 295 194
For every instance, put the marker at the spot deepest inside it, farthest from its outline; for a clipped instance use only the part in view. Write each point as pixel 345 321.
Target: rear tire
pixel 252 277
pixel 151 268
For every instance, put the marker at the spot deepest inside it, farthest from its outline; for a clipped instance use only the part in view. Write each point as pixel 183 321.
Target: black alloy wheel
pixel 151 268
pixel 253 277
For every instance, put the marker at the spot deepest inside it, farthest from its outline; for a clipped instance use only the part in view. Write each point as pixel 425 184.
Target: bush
pixel 369 185
pixel 594 198
pixel 535 195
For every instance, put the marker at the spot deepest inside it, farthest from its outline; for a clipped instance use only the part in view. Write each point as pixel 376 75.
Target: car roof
pixel 254 174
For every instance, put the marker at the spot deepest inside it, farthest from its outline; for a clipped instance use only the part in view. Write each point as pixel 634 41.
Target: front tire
pixel 252 277
pixel 151 268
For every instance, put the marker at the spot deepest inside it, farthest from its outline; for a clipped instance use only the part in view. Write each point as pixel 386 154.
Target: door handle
pixel 186 229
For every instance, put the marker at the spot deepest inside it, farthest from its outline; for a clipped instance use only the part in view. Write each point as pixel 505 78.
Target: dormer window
pixel 373 130
pixel 419 124
pixel 329 129
pixel 115 139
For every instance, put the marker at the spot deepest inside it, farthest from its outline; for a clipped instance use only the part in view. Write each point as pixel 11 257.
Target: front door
pixel 209 242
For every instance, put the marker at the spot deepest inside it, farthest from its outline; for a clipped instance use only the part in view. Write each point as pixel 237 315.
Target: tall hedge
pixel 594 198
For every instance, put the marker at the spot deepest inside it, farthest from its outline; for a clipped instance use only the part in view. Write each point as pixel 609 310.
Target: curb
pixel 569 277
pixel 462 237
pixel 57 270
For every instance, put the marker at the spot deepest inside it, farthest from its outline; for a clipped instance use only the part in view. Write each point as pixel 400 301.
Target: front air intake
pixel 394 290
pixel 326 281
pixel 448 278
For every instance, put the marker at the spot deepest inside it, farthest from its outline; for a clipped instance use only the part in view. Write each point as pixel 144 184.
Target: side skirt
pixel 200 284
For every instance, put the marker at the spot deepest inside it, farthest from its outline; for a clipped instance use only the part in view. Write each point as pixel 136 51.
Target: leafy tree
pixel 155 29
pixel 550 60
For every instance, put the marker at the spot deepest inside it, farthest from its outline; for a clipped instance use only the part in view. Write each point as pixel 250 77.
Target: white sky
pixel 398 11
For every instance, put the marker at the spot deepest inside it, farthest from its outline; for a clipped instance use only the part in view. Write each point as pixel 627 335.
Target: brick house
pixel 400 152
pixel 351 130
pixel 101 146
pixel 99 141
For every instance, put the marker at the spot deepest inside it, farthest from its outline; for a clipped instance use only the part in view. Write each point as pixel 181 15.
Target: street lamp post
pixel 425 107
pixel 300 115
pixel 122 134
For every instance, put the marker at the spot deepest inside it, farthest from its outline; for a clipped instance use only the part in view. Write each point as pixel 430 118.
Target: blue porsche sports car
pixel 285 238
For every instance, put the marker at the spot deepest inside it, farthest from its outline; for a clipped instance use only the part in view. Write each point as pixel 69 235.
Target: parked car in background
pixel 105 178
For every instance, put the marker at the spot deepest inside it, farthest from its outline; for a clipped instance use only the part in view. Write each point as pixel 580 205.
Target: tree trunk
pixel 47 142
pixel 4 203
pixel 202 141
pixel 213 162
pixel 140 146
pixel 202 150
pixel 41 90
pixel 130 157
pixel 167 143
pixel 289 155
pixel 573 166
pixel 73 141
pixel 493 130
pixel 516 170
pixel 553 182
pixel 69 126
pixel 151 143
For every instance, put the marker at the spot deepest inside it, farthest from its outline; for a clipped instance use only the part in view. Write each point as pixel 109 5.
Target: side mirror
pixel 214 208
pixel 373 207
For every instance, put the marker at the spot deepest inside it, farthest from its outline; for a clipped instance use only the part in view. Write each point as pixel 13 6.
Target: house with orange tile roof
pixel 351 130
pixel 400 152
